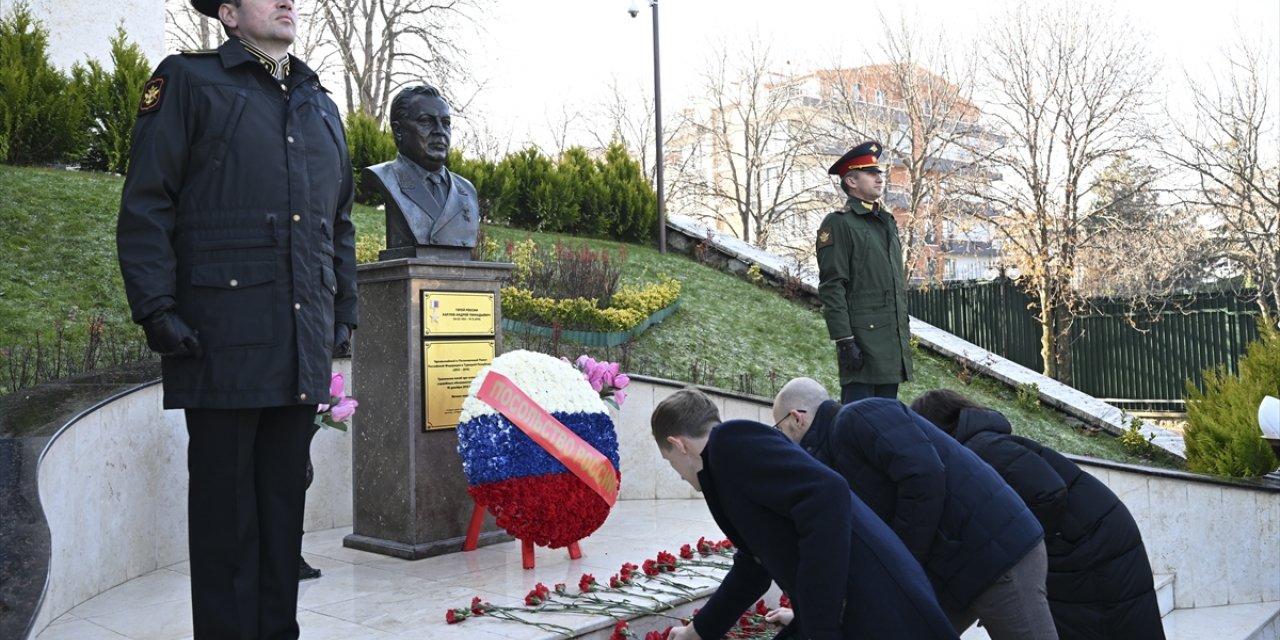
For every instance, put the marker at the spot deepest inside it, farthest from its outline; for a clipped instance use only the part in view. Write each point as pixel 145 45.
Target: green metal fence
pixel 1137 360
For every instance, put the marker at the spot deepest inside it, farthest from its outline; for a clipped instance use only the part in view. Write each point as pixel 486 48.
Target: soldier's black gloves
pixel 168 335
pixel 848 354
pixel 341 340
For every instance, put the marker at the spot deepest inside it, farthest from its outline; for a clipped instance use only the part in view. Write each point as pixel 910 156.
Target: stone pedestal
pixel 409 492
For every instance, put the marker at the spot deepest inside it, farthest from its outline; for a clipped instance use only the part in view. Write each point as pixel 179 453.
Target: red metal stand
pixel 526 546
pixel 473 529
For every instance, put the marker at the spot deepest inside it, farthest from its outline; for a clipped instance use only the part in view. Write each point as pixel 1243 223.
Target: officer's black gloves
pixel 848 354
pixel 168 335
pixel 341 340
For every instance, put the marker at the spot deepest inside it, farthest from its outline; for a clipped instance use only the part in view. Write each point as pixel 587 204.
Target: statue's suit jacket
pixel 409 222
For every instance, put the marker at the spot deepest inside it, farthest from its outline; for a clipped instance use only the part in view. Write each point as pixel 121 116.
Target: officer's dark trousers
pixel 248 485
pixel 859 391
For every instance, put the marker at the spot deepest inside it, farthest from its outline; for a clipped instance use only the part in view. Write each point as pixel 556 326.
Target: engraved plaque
pixel 450 313
pixel 448 369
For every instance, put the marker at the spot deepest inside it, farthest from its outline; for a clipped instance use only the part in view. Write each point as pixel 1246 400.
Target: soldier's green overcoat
pixel 863 292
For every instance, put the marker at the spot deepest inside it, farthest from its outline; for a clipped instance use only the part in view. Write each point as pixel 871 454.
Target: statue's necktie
pixel 435 186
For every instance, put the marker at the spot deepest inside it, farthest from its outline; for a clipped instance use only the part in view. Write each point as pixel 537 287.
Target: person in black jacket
pixel 796 523
pixel 1099 582
pixel 980 547
pixel 237 250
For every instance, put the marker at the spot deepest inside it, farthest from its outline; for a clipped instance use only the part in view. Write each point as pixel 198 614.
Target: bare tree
pixel 757 141
pixel 383 44
pixel 189 30
pixel 918 103
pixel 627 118
pixel 1231 152
pixel 1136 246
pixel 1067 94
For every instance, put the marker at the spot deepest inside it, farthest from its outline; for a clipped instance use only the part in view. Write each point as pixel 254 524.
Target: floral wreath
pixel 532 494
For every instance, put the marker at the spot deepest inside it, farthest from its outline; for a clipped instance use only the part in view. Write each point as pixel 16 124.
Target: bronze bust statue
pixel 431 211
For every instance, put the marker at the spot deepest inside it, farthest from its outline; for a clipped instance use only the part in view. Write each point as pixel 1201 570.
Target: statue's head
pixel 422 125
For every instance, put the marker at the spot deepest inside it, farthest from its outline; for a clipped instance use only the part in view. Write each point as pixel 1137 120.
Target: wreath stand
pixel 526 546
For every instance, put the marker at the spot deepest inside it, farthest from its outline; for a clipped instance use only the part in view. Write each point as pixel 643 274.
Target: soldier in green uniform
pixel 861 282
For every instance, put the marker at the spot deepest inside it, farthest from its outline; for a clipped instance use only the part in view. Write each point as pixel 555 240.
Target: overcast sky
pixel 539 59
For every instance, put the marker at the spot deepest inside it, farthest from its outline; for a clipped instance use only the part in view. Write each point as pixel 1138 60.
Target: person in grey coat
pixel 237 250
pixel 981 548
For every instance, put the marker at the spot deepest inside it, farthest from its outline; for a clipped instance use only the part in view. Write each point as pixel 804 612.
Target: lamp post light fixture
pixel 634 10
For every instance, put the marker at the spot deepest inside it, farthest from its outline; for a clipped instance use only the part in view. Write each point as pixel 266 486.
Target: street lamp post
pixel 657 121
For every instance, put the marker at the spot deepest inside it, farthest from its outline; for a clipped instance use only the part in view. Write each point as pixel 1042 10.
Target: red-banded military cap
pixel 207 7
pixel 865 156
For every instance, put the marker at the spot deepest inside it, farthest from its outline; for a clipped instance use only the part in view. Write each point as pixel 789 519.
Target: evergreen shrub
pixel 111 102
pixel 577 195
pixel 1222 433
pixel 369 143
pixel 41 113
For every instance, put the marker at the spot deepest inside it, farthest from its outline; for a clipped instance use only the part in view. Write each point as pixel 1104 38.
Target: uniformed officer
pixel 861 282
pixel 238 255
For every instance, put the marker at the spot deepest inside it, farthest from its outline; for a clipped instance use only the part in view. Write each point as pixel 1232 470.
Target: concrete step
pixel 1164 593
pixel 1254 621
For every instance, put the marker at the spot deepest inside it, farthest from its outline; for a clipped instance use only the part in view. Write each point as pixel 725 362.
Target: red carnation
pixel 666 561
pixel 451 617
pixel 586 583
pixel 478 606
pixel 761 608
pixel 706 547
pixel 533 598
pixel 784 601
pixel 621 632
pixel 686 552
pixel 651 568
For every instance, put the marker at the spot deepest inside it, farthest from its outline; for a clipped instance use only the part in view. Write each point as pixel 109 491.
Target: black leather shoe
pixel 306 571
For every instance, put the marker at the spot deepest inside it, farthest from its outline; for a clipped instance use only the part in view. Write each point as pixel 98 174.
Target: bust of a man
pixel 431 211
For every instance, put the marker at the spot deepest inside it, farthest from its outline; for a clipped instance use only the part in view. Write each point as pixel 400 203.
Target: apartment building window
pixel 857 91
pixel 879 97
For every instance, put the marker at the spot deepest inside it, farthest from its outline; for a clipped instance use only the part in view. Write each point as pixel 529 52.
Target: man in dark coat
pixel 979 545
pixel 1100 585
pixel 861 282
pixel 796 523
pixel 427 205
pixel 238 255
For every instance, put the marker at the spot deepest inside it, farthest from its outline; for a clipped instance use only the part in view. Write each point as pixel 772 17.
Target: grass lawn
pixel 59 264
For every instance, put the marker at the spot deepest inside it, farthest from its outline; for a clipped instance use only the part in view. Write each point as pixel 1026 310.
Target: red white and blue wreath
pixel 533 495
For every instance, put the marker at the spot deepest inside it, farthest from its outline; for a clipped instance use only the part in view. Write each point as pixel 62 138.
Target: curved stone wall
pixel 113 486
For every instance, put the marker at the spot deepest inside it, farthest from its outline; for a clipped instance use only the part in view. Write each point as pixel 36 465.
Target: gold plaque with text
pixel 448 367
pixel 450 313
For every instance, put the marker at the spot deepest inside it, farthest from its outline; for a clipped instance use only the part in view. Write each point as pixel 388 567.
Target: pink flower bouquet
pixel 341 407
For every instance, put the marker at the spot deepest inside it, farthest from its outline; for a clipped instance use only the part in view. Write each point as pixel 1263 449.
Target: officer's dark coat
pixel 403 185
pixel 1100 584
pixel 795 522
pixel 958 518
pixel 237 209
pixel 863 292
